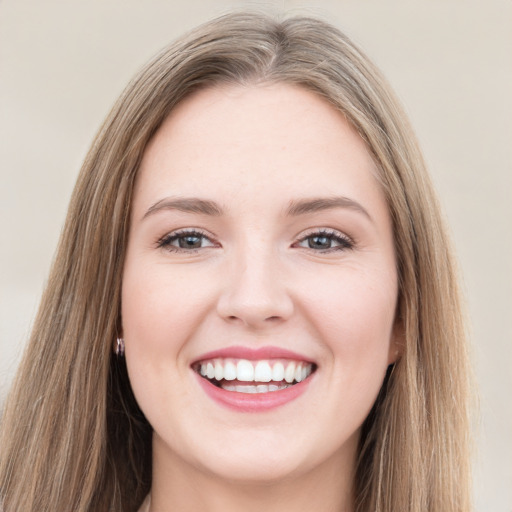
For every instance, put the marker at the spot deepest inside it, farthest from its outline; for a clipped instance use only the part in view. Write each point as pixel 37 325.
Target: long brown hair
pixel 72 435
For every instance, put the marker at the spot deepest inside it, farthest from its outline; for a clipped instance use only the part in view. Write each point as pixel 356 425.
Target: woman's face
pixel 260 287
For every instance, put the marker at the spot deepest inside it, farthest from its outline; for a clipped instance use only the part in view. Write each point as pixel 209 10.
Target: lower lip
pixel 253 402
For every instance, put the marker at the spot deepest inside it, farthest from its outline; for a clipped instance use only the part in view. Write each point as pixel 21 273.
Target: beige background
pixel 62 64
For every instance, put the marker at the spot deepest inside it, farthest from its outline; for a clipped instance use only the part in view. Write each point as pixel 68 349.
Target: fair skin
pixel 258 232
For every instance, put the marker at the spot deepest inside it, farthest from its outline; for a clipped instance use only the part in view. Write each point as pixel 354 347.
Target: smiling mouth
pixel 253 377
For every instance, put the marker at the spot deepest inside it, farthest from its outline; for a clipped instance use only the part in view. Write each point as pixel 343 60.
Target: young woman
pixel 253 305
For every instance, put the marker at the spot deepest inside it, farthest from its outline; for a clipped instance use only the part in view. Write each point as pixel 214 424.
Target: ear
pixel 397 342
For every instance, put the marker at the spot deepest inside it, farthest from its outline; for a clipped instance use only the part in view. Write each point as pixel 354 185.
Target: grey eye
pixel 319 242
pixel 185 241
pixel 325 241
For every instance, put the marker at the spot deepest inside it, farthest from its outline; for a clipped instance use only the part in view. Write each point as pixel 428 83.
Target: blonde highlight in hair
pixel 72 435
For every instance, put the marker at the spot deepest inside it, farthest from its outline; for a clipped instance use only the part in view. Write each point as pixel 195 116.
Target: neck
pixel 178 485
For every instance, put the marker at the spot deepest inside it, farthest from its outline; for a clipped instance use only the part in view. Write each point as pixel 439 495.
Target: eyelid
pixel 322 230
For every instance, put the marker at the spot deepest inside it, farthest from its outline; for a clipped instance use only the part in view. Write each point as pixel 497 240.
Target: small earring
pixel 119 347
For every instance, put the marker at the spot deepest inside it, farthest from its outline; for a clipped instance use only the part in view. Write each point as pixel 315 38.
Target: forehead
pixel 279 139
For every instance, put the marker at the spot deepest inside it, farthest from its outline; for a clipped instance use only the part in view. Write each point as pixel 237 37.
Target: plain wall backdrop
pixel 63 63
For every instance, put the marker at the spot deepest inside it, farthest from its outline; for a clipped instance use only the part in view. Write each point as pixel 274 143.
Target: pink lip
pixel 257 402
pixel 245 402
pixel 253 354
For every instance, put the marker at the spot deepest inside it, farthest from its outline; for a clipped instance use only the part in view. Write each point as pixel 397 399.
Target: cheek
pixel 351 315
pixel 354 314
pixel 160 307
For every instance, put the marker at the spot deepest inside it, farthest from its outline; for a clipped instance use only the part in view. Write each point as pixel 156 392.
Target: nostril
pixel 274 319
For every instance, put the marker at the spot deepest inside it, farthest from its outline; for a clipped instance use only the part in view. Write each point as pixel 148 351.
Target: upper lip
pixel 253 354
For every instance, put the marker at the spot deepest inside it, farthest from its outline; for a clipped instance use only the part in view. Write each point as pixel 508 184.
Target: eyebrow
pixel 295 208
pixel 185 204
pixel 303 206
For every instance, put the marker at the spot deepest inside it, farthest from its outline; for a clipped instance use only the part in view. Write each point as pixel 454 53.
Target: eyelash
pixel 166 241
pixel 330 235
pixel 343 241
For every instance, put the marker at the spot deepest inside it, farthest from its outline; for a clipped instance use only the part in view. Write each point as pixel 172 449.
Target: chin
pixel 256 470
pixel 261 459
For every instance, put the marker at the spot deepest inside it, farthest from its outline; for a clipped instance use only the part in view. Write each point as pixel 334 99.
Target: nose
pixel 255 294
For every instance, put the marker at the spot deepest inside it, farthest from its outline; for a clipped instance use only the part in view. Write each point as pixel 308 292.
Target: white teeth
pixel 210 371
pixel 298 373
pixel 219 371
pixel 244 371
pixel 260 388
pixel 289 374
pixel 229 371
pixel 278 372
pixel 263 372
pixel 246 389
